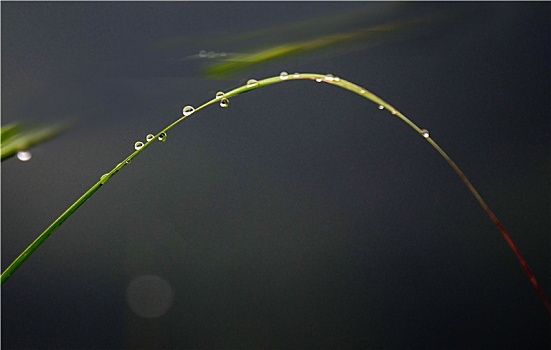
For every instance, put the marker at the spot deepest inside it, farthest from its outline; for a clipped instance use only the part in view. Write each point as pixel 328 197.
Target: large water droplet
pixel 252 82
pixel 220 94
pixel 24 156
pixel 162 137
pixel 188 110
pixel 283 75
pixel 224 103
pixel 381 107
pixel 138 145
pixel 329 77
pixel 150 137
pixel 425 133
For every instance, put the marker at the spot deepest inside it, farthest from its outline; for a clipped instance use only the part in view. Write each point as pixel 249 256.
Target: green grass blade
pixel 253 85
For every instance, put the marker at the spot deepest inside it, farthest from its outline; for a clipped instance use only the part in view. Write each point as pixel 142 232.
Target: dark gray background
pixel 299 217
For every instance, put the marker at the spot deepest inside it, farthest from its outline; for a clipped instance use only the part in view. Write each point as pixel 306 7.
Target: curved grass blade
pixel 253 85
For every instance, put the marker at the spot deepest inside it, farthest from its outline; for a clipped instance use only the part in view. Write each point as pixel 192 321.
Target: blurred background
pixel 299 217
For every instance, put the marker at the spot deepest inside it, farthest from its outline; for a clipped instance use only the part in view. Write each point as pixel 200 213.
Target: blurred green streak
pixel 366 36
pixel 17 137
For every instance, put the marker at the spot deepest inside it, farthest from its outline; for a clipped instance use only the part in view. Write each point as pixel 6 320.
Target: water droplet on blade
pixel 318 80
pixel 188 110
pixel 24 156
pixel 283 75
pixel 381 107
pixel 425 133
pixel 138 145
pixel 162 137
pixel 296 75
pixel 219 94
pixel 329 77
pixel 252 82
pixel 224 103
pixel 150 137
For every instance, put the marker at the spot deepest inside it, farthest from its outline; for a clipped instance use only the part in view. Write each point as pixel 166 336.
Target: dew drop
pixel 162 137
pixel 425 133
pixel 220 94
pixel 224 103
pixel 203 53
pixel 362 91
pixel 394 112
pixel 138 145
pixel 252 82
pixel 24 156
pixel 381 107
pixel 150 137
pixel 188 110
pixel 296 75
pixel 318 80
pixel 337 79
pixel 329 77
pixel 103 179
pixel 283 75
pixel 128 161
pixel 211 54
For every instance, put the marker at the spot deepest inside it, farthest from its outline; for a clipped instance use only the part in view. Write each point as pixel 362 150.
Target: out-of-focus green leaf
pixel 366 37
pixel 17 137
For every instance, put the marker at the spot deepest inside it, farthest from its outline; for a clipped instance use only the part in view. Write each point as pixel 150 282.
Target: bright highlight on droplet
pixel 224 103
pixel 252 82
pixel 162 137
pixel 150 137
pixel 188 110
pixel 220 94
pixel 149 296
pixel 283 75
pixel 318 80
pixel 425 133
pixel 381 107
pixel 24 156
pixel 138 145
pixel 329 77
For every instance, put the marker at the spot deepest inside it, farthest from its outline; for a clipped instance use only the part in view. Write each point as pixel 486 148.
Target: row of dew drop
pixel 224 103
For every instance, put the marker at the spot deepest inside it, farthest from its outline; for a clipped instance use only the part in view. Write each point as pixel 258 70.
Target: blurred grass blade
pixel 17 137
pixel 366 37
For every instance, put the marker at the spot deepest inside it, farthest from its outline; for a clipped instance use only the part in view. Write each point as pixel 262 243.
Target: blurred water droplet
pixel 318 80
pixel 381 107
pixel 394 112
pixel 149 296
pixel 211 54
pixel 296 75
pixel 329 77
pixel 425 133
pixel 188 110
pixel 128 161
pixel 103 178
pixel 283 75
pixel 162 137
pixel 150 137
pixel 252 82
pixel 138 145
pixel 24 156
pixel 203 53
pixel 224 103
pixel 362 91
pixel 337 79
pixel 220 94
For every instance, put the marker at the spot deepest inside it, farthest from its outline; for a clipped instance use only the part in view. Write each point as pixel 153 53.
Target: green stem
pixel 259 84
